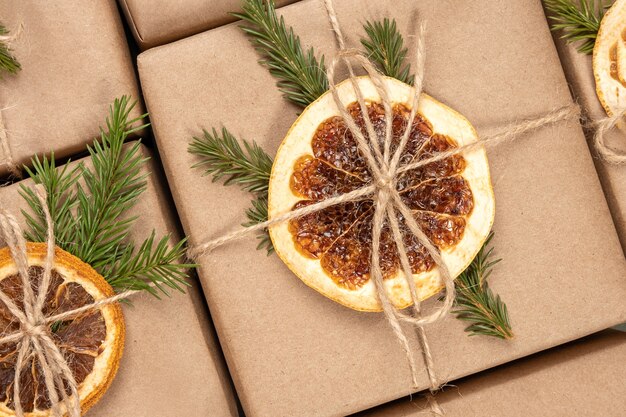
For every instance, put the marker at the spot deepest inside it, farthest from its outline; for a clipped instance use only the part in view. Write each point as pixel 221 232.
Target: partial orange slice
pixel 609 59
pixel 330 250
pixel 91 343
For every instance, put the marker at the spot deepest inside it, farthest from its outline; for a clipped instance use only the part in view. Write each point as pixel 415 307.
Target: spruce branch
pixel 8 62
pixel 249 166
pixel 476 303
pixel 385 47
pixel 88 208
pixel 110 189
pixel 301 78
pixel 137 269
pixel 578 19
pixel 223 157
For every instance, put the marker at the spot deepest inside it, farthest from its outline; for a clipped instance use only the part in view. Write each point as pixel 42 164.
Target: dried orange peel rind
pixel 298 144
pixel 79 278
pixel 609 60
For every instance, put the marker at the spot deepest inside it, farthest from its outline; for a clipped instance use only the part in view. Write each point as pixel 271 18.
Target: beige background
pixel 75 61
pixel 156 22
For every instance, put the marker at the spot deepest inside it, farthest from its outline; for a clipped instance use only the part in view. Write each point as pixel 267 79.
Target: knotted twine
pixel 602 127
pixel 34 337
pixel 386 168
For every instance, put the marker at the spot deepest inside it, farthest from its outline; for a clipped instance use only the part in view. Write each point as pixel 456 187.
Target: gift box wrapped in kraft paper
pixel 292 351
pixel 74 61
pixel 564 381
pixel 171 364
pixel 579 71
pixel 159 22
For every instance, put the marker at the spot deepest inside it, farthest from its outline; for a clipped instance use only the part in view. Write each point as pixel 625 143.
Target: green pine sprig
pixel 250 167
pixel 150 264
pixel 578 19
pixel 109 191
pixel 301 77
pixel 222 156
pixel 8 62
pixel 476 303
pixel 89 208
pixel 385 47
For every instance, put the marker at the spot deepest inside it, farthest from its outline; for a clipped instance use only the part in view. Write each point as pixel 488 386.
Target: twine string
pixel 387 196
pixel 602 127
pixel 388 199
pixel 12 337
pixel 33 339
pixel 383 178
pixel 385 168
pixel 383 186
pixel 393 221
pixel 509 133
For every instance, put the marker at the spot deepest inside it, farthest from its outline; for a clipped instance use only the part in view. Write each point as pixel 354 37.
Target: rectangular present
pixel 74 61
pixel 574 379
pixel 293 352
pixel 172 364
pixel 158 22
pixel 578 69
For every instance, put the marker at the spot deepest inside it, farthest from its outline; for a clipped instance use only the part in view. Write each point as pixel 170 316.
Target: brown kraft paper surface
pixel 578 69
pixel 293 352
pixel 75 61
pixel 156 22
pixel 562 382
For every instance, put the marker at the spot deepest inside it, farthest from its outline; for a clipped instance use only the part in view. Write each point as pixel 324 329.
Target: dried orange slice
pixel 609 59
pixel 91 343
pixel 330 250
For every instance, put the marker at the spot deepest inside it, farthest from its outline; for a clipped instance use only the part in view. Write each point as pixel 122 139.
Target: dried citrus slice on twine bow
pixel 91 343
pixel 609 60
pixel 330 250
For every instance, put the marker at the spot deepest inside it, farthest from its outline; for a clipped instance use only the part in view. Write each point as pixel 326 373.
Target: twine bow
pixel 386 167
pixel 34 337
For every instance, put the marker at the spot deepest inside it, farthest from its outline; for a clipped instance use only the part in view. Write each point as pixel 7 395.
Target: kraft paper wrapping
pixel 293 352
